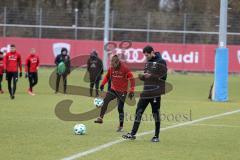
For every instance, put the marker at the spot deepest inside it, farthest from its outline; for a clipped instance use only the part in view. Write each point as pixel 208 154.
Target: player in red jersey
pixel 12 63
pixel 1 71
pixel 31 70
pixel 120 75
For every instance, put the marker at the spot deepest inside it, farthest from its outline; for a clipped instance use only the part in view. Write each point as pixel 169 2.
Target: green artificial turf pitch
pixel 30 130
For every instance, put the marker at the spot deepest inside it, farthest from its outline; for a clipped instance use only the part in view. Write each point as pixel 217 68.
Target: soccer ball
pixel 98 102
pixel 79 129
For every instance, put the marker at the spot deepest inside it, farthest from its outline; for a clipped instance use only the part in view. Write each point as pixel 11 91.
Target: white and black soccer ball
pixel 79 129
pixel 98 102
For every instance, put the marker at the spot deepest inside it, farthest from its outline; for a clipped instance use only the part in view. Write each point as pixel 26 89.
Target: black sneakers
pixel 12 97
pixel 155 139
pixel 120 129
pixel 133 137
pixel 129 136
pixel 99 120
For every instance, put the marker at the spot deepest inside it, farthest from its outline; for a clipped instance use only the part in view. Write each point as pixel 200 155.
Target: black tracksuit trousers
pixel 142 105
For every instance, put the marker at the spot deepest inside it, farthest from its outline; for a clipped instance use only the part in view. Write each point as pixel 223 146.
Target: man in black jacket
pixel 154 76
pixel 62 62
pixel 95 69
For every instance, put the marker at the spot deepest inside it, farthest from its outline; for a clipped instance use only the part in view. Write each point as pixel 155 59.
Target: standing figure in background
pixel 12 62
pixel 63 64
pixel 31 70
pixel 95 69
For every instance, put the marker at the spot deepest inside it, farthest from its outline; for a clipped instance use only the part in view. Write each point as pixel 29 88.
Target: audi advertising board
pixel 188 57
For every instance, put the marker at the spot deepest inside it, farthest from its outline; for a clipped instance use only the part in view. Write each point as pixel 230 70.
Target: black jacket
pixel 154 86
pixel 66 60
pixel 95 68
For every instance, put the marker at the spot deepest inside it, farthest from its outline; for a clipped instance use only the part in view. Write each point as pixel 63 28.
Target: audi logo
pixel 131 55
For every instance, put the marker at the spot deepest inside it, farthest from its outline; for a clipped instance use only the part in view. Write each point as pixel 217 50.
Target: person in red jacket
pixel 12 63
pixel 31 70
pixel 1 71
pixel 120 75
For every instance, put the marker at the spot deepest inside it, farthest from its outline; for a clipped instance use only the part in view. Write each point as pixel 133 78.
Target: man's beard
pixel 149 58
pixel 116 66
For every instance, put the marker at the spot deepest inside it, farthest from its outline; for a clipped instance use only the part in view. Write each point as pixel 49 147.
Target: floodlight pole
pixel 106 33
pixel 223 24
pixel 220 89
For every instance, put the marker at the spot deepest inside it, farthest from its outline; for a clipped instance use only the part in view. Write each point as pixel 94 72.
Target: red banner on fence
pixel 188 57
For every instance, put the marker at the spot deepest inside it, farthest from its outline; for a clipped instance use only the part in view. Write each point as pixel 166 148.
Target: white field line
pixel 109 144
pixel 216 125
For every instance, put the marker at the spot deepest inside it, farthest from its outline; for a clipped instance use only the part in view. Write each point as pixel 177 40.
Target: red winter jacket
pixel 1 67
pixel 12 61
pixel 32 63
pixel 120 78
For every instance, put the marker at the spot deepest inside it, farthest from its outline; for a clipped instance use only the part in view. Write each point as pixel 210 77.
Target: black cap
pixel 94 54
pixel 12 45
pixel 64 49
pixel 148 49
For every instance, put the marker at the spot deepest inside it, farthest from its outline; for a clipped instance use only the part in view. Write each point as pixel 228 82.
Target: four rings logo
pixel 131 55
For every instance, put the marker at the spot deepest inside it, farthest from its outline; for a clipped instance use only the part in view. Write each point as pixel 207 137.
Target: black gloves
pixel 101 87
pixel 130 95
pixel 141 77
pixel 20 74
pixel 26 75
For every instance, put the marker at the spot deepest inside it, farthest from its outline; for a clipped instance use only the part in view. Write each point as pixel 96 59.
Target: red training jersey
pixel 119 79
pixel 1 67
pixel 12 61
pixel 32 63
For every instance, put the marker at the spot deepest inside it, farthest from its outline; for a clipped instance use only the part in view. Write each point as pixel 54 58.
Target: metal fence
pixel 137 26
